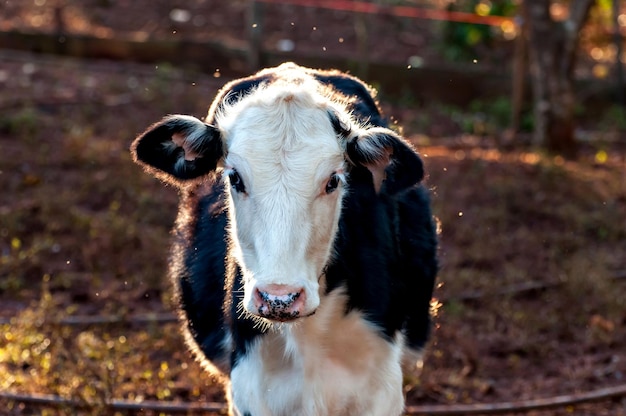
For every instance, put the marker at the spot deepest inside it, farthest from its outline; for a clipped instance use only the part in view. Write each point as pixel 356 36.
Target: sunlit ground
pixel 83 233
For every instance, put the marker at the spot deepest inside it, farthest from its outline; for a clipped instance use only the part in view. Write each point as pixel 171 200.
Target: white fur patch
pixel 327 364
pixel 280 141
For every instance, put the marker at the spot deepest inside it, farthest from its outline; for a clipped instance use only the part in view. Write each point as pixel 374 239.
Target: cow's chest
pixel 328 364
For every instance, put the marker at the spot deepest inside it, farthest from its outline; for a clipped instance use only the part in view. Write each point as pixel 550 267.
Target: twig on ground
pixel 520 406
pixel 81 320
pixel 119 405
pixel 519 288
pixel 513 289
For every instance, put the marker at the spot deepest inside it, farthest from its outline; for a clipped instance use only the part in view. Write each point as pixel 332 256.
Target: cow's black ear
pixel 393 162
pixel 178 148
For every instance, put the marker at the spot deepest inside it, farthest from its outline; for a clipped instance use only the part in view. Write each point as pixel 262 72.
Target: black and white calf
pixel 304 252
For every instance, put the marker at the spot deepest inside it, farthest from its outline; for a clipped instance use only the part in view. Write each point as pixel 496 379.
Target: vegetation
pixel 463 42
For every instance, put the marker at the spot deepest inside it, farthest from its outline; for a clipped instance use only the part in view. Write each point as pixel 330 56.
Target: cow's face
pixel 286 169
pixel 285 151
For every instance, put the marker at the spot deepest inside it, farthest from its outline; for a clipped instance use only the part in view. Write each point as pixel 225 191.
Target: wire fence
pixel 397 11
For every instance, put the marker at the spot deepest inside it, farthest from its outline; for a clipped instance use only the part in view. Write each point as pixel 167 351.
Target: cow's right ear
pixel 178 148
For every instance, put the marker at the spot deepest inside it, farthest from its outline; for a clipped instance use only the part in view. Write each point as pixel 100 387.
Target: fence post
pixel 519 74
pixel 255 32
pixel 618 61
pixel 361 28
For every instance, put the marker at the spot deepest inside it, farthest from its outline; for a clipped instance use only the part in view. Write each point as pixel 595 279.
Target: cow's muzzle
pixel 280 303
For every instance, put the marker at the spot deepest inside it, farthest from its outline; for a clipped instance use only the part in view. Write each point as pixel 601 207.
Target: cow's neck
pixel 336 337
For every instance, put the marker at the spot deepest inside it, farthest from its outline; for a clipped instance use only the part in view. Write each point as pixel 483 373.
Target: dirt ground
pixel 531 294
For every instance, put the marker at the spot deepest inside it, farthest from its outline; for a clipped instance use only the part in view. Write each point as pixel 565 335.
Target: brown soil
pixel 84 232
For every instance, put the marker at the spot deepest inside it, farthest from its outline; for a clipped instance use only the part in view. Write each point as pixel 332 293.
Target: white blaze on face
pixel 287 159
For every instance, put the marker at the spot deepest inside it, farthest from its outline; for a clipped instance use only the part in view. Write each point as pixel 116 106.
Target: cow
pixel 304 251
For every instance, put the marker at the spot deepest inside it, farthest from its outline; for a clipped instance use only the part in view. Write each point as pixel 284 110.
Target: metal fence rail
pixel 398 11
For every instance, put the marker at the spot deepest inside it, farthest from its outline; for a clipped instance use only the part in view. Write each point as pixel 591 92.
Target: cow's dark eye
pixel 236 182
pixel 333 183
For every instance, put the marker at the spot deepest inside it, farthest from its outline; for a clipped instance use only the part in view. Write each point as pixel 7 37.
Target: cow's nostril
pixel 279 303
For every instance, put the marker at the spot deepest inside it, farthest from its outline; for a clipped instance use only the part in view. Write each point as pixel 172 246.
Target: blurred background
pixel 517 107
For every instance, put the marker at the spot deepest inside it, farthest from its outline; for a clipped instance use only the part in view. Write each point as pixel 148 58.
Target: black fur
pixel 153 149
pixel 199 270
pixel 385 250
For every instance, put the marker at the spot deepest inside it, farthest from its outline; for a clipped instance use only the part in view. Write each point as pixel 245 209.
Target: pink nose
pixel 279 302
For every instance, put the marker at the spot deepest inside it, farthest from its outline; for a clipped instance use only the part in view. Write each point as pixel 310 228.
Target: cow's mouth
pixel 279 316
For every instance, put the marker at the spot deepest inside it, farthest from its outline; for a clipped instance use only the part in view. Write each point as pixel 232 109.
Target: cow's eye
pixel 333 183
pixel 236 182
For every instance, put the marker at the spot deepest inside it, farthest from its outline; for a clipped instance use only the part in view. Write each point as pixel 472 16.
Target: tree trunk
pixel 553 47
pixel 520 72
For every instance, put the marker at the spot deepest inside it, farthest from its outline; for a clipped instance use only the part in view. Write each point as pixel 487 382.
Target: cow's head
pixel 286 152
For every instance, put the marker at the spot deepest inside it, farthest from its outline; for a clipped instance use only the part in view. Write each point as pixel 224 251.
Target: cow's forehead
pixel 260 135
pixel 282 132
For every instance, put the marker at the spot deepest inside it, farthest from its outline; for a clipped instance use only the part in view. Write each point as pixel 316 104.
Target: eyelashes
pixel 236 182
pixel 333 183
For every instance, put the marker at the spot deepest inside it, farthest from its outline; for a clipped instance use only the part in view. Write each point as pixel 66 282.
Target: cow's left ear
pixel 178 148
pixel 391 159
